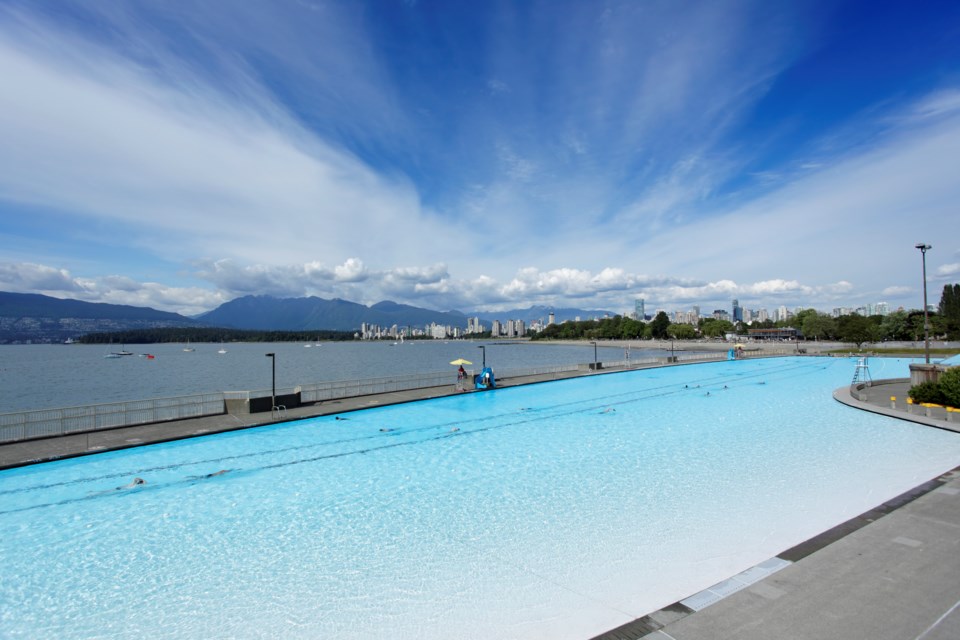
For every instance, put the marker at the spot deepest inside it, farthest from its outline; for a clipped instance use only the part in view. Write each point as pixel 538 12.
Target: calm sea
pixel 49 376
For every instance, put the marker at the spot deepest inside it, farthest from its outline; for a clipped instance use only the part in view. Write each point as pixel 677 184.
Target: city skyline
pixel 451 156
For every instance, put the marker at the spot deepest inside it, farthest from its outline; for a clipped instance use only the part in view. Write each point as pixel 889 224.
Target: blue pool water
pixel 557 510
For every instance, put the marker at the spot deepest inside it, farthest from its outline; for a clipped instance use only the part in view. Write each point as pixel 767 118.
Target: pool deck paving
pixel 891 573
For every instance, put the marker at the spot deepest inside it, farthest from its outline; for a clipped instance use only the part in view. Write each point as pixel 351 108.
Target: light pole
pixel 594 355
pixel 484 349
pixel 926 318
pixel 273 386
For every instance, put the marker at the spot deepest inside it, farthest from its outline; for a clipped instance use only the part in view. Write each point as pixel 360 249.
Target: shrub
pixel 927 392
pixel 950 386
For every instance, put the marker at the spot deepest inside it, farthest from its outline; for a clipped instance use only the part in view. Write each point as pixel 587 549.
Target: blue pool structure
pixel 556 510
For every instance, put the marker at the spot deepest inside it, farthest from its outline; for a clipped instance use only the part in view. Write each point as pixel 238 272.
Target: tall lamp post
pixel 594 355
pixel 484 349
pixel 273 386
pixel 926 317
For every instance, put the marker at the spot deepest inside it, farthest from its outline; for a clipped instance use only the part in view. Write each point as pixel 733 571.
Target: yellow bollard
pixel 893 402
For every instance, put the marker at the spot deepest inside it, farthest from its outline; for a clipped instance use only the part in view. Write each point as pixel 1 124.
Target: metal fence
pixel 322 391
pixel 44 423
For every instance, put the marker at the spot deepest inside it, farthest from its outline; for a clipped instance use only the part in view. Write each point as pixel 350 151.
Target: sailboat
pixel 188 348
pixel 222 350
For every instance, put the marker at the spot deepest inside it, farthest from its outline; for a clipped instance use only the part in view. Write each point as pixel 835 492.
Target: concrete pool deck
pixel 888 573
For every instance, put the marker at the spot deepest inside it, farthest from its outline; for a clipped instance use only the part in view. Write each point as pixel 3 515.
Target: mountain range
pixel 26 317
pixel 31 317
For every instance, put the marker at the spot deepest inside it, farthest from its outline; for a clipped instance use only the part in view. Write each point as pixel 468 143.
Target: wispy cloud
pixel 321 149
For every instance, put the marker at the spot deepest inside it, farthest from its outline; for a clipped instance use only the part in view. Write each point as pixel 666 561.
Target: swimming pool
pixel 557 510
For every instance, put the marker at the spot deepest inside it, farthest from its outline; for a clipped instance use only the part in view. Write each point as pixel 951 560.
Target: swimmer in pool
pixel 136 482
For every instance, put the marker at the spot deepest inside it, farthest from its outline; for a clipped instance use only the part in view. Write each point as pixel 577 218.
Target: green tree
pixel 856 329
pixel 894 326
pixel 658 326
pixel 681 332
pixel 950 310
pixel 631 329
pixel 714 328
pixel 800 318
pixel 818 326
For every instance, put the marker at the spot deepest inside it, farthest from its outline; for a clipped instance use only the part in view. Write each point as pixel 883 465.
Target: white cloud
pixel 33 278
pixel 92 134
pixel 351 271
pixel 948 270
pixel 897 291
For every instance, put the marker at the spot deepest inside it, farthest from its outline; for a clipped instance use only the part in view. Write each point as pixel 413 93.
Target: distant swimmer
pixel 210 475
pixel 386 430
pixel 609 410
pixel 339 418
pixel 455 429
pixel 133 484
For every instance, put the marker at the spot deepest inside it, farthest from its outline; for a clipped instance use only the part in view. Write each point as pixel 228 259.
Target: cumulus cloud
pixel 32 278
pixel 897 291
pixel 948 270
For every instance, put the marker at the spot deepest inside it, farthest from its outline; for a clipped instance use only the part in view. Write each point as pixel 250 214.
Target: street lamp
pixel 484 349
pixel 594 355
pixel 926 318
pixel 273 386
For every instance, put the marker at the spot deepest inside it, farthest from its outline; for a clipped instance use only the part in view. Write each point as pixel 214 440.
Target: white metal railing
pixel 336 389
pixel 698 357
pixel 42 423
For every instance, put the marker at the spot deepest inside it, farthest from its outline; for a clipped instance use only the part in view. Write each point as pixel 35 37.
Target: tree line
pixel 809 323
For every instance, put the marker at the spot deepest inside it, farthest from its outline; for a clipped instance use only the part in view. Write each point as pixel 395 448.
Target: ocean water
pixel 50 376
pixel 557 510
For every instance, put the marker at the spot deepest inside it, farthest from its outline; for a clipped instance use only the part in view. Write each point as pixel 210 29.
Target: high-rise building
pixel 551 319
pixel 737 311
pixel 638 309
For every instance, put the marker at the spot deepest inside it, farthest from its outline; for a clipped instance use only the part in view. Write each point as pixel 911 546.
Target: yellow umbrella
pixel 461 361
pixel 739 345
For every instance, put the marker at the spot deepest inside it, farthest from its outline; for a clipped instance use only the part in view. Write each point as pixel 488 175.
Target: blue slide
pixel 486 380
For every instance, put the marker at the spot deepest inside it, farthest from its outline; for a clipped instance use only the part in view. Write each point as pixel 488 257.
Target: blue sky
pixel 491 155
